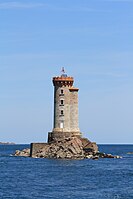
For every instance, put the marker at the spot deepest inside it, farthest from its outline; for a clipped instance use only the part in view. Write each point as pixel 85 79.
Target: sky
pixel 93 40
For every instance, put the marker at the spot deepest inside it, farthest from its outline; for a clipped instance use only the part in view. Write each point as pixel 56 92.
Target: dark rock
pixel 104 155
pixel 24 152
pixel 67 148
pixel 95 157
pixel 89 147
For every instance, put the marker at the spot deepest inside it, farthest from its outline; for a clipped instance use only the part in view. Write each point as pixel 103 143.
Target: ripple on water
pixel 28 178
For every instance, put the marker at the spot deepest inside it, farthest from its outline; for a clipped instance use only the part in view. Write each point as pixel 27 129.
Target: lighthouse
pixel 65 140
pixel 66 121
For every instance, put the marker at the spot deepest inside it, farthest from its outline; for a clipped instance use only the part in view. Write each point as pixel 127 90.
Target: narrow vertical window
pixel 61 125
pixel 62 102
pixel 62 112
pixel 62 91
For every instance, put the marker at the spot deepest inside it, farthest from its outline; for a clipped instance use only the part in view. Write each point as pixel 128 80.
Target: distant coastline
pixel 7 143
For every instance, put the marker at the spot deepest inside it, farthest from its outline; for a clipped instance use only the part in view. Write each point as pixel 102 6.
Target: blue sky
pixel 93 40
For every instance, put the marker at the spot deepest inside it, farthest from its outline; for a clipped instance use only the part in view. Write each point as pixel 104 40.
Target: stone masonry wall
pixel 74 122
pixel 35 147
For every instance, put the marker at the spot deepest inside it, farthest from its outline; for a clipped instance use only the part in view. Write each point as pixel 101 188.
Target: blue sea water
pixel 29 178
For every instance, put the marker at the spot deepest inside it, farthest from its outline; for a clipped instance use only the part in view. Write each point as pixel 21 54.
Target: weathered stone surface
pixel 24 152
pixel 36 148
pixel 104 155
pixel 88 146
pixel 68 148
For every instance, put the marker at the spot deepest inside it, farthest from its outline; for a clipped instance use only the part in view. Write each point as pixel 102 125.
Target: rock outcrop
pixel 67 148
pixel 130 153
pixel 24 152
pixel 98 155
pixel 7 143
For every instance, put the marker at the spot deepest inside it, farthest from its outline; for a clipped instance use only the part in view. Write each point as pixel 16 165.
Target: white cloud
pixel 14 5
pixel 24 5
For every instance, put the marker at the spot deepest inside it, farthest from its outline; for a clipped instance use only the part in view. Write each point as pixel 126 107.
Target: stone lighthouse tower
pixel 66 122
pixel 65 140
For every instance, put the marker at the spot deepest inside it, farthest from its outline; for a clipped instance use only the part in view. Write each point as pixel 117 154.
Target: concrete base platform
pixel 35 147
pixel 54 136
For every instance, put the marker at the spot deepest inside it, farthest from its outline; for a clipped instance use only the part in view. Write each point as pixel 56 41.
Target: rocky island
pixel 7 143
pixel 69 148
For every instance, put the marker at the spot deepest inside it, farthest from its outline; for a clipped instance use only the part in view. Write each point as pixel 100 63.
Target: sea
pixel 38 178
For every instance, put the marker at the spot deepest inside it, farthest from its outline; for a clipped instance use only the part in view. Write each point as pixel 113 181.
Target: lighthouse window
pixel 62 102
pixel 61 92
pixel 61 125
pixel 61 112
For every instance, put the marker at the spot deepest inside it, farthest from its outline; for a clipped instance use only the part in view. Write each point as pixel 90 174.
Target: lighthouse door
pixel 61 125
